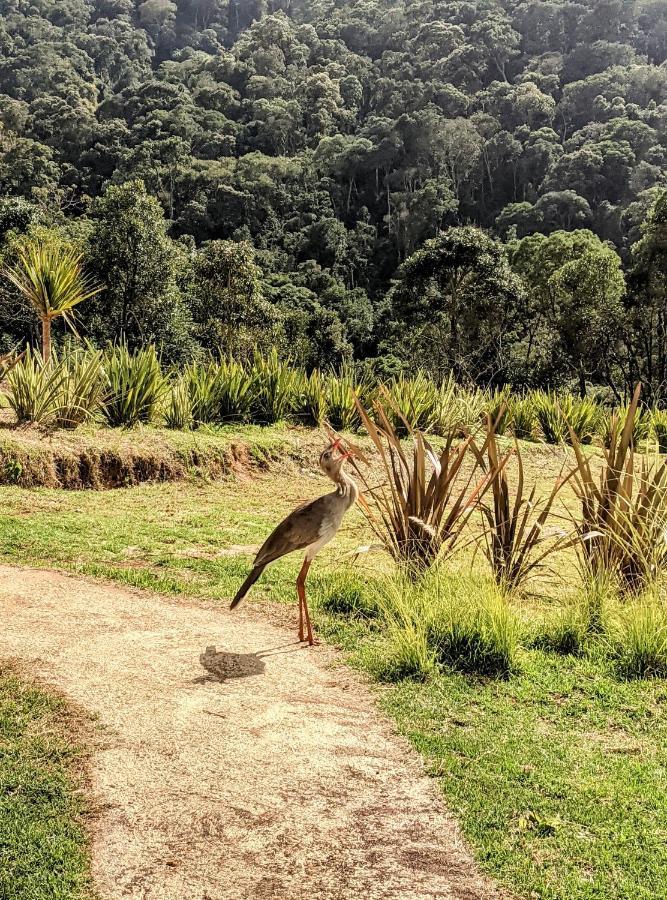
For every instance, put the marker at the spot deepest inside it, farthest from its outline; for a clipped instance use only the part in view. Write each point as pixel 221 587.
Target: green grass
pixel 558 773
pixel 171 537
pixel 43 844
pixel 557 776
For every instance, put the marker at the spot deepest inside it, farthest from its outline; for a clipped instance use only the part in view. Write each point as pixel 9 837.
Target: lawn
pixel 43 842
pixel 557 774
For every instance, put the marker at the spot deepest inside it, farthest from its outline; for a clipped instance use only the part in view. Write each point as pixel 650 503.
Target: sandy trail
pixel 228 772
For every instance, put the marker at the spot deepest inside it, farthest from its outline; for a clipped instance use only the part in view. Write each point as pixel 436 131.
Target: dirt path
pixel 227 772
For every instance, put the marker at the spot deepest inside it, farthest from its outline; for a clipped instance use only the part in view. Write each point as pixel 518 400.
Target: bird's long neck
pixel 347 488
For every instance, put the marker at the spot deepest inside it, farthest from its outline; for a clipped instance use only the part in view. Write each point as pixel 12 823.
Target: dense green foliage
pixel 324 143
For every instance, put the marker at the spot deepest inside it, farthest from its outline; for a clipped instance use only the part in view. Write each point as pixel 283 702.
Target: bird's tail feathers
pixel 247 584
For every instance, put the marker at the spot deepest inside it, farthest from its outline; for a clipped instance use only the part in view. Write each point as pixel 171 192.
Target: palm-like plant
pixel 49 275
pixel 420 510
pixel 624 511
pixel 516 541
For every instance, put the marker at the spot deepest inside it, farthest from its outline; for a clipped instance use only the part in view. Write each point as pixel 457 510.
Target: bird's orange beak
pixel 344 454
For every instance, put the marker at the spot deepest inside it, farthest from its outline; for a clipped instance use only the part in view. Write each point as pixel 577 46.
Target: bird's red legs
pixel 301 637
pixel 303 605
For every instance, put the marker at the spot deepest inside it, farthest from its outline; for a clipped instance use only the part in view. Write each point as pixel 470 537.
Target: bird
pixel 308 528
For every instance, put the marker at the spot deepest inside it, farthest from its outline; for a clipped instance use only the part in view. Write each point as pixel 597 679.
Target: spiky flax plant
pixel 49 275
pixel 419 511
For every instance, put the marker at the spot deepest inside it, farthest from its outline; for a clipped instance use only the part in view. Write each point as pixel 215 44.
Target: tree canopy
pixel 331 143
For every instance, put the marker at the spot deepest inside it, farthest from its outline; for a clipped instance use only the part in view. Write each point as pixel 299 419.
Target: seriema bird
pixel 308 528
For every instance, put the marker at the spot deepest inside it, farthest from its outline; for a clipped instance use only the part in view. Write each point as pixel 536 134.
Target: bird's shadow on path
pixel 223 665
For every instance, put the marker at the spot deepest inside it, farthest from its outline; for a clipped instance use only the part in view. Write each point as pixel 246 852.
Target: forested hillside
pixel 304 162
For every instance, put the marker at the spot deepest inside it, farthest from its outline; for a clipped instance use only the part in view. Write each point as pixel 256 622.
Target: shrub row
pixel 120 388
pixel 618 534
pixel 461 623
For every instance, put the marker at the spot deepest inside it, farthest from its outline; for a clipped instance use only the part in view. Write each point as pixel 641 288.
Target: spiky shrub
pixel 312 403
pixel 35 388
pixel 450 415
pixel 498 410
pixel 549 417
pixel 522 417
pixel 62 393
pixel 220 392
pixel 275 387
pixel 420 510
pixel 611 421
pixel 659 423
pixel 623 511
pixel 135 386
pixel 178 407
pixel 583 416
pixel 638 639
pixel 471 409
pixel 204 387
pixel 341 404
pixel 516 541
pixel 556 414
pixel 82 388
pixel 236 392
pixel 414 404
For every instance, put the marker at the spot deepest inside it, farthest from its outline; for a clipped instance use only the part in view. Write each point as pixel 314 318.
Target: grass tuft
pixel 444 622
pixel 638 639
pixel 346 594
pixel 476 635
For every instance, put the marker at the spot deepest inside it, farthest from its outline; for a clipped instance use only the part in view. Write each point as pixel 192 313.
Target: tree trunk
pixel 582 384
pixel 46 338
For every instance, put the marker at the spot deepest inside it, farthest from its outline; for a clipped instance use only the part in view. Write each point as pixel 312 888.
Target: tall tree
pixel 575 284
pixel 129 251
pixel 455 302
pixel 646 338
pixel 229 308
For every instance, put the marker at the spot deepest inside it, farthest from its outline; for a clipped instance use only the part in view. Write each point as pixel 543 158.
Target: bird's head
pixel 332 459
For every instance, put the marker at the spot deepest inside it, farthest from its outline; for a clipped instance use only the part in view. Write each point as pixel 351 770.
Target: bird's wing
pixel 299 530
